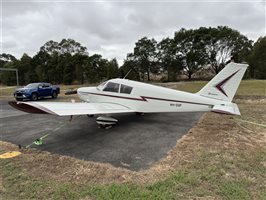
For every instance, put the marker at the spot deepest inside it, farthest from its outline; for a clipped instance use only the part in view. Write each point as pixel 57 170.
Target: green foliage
pixel 129 70
pixel 5 58
pixel 65 62
pixel 69 62
pixel 191 49
pixel 8 77
pixel 257 59
pixel 222 44
pixel 112 69
pixel 144 57
pixel 169 58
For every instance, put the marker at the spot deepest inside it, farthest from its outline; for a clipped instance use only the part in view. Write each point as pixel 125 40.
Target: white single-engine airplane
pixel 125 96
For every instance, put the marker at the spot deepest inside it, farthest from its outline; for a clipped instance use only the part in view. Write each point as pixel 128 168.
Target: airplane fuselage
pixel 147 98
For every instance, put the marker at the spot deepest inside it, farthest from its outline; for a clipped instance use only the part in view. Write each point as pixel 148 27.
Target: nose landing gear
pixel 106 122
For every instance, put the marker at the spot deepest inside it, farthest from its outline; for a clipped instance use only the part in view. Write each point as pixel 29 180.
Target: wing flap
pixel 68 108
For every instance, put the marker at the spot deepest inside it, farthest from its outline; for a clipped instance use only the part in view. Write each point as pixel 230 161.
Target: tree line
pixel 68 62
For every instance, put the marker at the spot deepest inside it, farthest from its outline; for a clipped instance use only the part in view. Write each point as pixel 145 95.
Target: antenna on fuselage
pixel 128 73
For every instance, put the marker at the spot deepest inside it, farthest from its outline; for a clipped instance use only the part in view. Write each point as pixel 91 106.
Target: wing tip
pixel 26 108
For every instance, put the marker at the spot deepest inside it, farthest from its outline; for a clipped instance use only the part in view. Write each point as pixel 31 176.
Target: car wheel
pixel 34 97
pixel 54 94
pixel 18 99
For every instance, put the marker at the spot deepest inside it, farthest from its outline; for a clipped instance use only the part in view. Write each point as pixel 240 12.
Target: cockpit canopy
pixel 115 87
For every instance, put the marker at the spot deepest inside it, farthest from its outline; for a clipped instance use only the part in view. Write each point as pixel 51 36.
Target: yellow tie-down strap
pixel 10 154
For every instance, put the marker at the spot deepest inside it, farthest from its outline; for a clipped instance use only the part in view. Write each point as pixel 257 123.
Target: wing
pixel 68 108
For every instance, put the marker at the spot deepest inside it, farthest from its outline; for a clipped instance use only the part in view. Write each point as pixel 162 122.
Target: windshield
pixel 99 87
pixel 32 85
pixel 111 87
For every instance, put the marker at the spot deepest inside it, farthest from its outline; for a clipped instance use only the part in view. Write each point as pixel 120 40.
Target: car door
pixel 47 89
pixel 41 89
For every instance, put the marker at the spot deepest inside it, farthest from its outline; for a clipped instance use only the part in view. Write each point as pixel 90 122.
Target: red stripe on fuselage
pixel 172 100
pixel 144 98
pixel 109 95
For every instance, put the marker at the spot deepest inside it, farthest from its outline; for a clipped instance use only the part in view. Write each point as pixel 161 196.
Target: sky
pixel 111 28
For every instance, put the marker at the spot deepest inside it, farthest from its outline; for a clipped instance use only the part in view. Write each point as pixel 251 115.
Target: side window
pixel 125 89
pixel 46 85
pixel 111 87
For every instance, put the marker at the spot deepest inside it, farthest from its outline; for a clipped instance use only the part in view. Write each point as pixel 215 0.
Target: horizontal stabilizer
pixel 231 109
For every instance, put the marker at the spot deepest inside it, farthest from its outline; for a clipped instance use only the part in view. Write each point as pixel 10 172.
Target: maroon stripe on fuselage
pixel 172 100
pixel 109 95
pixel 144 98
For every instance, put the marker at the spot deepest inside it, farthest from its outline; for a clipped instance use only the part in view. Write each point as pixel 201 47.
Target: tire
pixel 54 94
pixel 34 97
pixel 18 99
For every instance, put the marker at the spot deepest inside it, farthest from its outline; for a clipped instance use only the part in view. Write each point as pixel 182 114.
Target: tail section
pixel 224 85
pixel 229 108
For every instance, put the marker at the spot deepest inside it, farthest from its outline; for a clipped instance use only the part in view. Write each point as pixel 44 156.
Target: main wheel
pixel 34 97
pixel 54 94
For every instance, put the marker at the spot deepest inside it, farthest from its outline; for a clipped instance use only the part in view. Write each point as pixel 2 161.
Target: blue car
pixel 34 91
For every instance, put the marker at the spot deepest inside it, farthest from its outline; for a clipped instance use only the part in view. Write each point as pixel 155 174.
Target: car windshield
pixel 32 85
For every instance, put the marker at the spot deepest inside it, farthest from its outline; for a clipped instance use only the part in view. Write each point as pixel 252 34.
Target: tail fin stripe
pixel 224 85
pixel 219 85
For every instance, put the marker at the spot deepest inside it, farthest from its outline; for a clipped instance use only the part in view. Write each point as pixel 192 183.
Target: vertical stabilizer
pixel 224 85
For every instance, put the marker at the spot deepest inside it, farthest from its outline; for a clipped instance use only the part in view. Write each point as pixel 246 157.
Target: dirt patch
pixel 214 133
pixel 250 99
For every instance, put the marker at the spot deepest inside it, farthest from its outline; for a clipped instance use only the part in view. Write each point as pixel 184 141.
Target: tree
pixel 5 58
pixel 96 68
pixel 50 47
pixel 112 69
pixel 9 77
pixel 169 58
pixel 68 75
pixel 221 44
pixel 129 70
pixel 7 61
pixel 191 51
pixel 257 59
pixel 145 56
pixel 56 61
pixel 26 72
pixel 72 47
pixel 65 46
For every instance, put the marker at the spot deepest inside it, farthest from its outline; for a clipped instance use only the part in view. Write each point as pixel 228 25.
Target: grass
pixel 199 179
pixel 219 172
pixel 247 87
